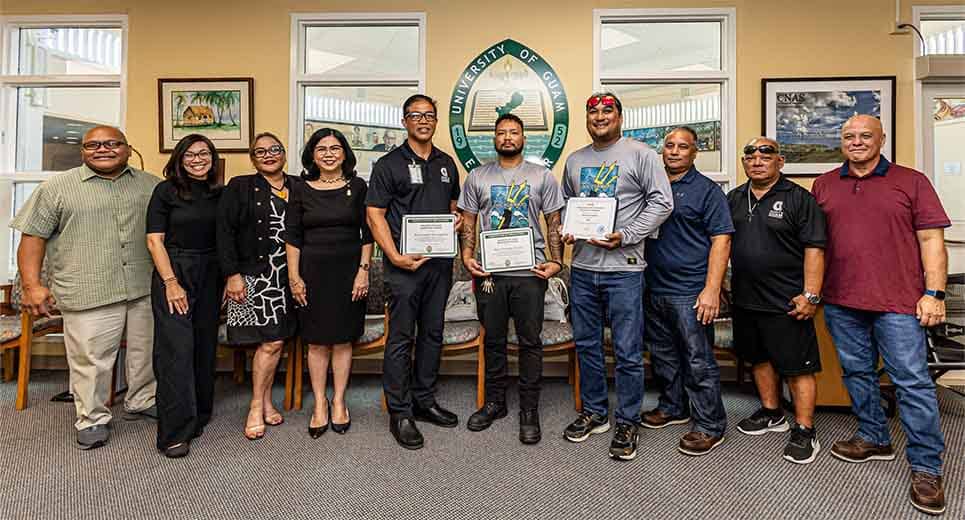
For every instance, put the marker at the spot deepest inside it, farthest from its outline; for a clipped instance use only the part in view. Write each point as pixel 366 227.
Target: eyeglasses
pixel 415 117
pixel 607 101
pixel 204 155
pixel 766 149
pixel 334 150
pixel 112 144
pixel 271 150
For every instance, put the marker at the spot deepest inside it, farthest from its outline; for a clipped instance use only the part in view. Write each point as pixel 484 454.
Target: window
pixel 59 77
pixel 671 68
pixel 352 72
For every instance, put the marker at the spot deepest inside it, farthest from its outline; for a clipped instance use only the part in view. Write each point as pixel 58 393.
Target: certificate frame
pixel 408 221
pixel 526 232
pixel 569 221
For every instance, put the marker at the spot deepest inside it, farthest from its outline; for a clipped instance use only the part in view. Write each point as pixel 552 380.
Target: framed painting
pixel 221 109
pixel 805 115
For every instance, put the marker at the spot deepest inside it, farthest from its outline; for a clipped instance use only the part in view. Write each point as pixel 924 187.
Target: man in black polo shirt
pixel 414 179
pixel 777 258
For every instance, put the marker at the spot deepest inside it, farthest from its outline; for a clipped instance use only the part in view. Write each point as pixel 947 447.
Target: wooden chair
pixel 240 355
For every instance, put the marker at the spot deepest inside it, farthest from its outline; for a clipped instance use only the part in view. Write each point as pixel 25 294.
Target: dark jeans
pixel 520 298
pixel 620 294
pixel 185 346
pixel 683 363
pixel 860 336
pixel 414 298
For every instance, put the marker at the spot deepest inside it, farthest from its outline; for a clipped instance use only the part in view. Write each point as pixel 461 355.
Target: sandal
pixel 254 432
pixel 274 419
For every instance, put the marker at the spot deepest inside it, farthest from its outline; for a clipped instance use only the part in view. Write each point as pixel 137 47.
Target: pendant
pixel 348 192
pixel 488 286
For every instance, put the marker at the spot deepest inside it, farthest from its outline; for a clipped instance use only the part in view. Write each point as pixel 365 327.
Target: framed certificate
pixel 429 235
pixel 507 250
pixel 589 217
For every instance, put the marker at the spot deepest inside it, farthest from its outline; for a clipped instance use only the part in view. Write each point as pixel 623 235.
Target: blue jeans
pixel 860 336
pixel 619 295
pixel 683 363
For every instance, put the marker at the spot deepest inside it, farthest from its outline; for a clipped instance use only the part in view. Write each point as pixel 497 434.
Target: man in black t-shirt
pixel 777 257
pixel 414 179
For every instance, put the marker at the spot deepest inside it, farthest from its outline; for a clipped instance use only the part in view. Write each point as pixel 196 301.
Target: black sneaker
pixel 585 425
pixel 764 421
pixel 803 446
pixel 624 443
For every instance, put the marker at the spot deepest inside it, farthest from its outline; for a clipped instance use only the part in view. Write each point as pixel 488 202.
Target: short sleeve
pixel 294 211
pixel 812 228
pixel 469 198
pixel 159 209
pixel 927 210
pixel 40 215
pixel 716 214
pixel 567 188
pixel 380 192
pixel 552 194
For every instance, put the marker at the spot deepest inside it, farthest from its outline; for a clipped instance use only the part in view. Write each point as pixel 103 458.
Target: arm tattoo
pixel 553 236
pixel 468 234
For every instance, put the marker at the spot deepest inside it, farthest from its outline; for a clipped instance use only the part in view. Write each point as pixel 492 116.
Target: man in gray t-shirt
pixel 607 274
pixel 507 194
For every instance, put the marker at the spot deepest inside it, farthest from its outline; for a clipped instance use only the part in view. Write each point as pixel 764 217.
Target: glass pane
pixel 362 50
pixel 21 192
pixel 638 47
pixel 651 111
pixel 944 36
pixel 370 118
pixel 949 158
pixel 51 121
pixel 70 50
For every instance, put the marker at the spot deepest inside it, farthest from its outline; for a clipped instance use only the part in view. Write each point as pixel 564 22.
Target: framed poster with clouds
pixel 805 115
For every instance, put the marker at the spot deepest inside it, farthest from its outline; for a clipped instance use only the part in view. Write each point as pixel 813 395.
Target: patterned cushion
pixel 724 334
pixel 374 328
pixel 10 326
pixel 16 295
pixel 375 303
pixel 459 271
pixel 554 333
pixel 460 332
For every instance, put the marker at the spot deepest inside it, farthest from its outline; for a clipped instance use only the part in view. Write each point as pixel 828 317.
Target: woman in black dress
pixel 185 291
pixel 329 247
pixel 251 221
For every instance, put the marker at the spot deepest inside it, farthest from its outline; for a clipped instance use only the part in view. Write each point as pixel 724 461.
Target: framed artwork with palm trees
pixel 221 109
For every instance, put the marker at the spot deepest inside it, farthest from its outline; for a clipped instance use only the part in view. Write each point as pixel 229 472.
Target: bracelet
pixel 364 267
pixel 169 279
pixel 556 262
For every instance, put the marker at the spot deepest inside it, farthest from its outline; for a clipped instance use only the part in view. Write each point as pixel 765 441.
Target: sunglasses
pixel 764 149
pixel 607 101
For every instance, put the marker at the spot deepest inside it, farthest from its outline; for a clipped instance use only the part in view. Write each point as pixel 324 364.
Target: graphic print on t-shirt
pixel 510 206
pixel 599 181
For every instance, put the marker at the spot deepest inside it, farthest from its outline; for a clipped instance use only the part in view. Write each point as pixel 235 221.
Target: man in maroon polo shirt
pixel 885 282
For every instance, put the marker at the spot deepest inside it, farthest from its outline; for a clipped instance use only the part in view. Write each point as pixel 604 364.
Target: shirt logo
pixel 599 181
pixel 777 210
pixel 445 175
pixel 510 206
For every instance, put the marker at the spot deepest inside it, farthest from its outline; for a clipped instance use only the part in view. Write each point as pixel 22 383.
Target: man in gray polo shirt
pixel 607 276
pixel 508 194
pixel 90 223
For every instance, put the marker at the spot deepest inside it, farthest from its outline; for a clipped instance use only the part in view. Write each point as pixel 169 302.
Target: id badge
pixel 415 173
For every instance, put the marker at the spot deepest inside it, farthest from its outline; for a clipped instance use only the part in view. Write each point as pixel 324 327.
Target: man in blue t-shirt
pixel 685 268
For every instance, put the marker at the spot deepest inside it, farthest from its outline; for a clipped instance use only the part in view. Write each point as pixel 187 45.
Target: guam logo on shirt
pixel 777 210
pixel 599 181
pixel 510 206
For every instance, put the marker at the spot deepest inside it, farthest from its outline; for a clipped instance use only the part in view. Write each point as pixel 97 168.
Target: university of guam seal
pixel 508 78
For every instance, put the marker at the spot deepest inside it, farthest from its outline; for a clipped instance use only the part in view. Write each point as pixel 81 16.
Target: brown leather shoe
pixel 698 443
pixel 858 450
pixel 656 419
pixel 927 493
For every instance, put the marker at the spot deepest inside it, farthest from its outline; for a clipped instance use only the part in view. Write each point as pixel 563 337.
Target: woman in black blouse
pixel 185 292
pixel 329 247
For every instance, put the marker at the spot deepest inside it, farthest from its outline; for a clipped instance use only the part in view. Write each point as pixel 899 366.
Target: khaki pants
pixel 92 338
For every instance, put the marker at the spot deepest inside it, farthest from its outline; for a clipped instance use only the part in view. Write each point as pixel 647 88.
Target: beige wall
pixel 779 38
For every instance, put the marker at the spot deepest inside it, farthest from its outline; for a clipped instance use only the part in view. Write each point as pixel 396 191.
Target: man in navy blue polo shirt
pixel 685 269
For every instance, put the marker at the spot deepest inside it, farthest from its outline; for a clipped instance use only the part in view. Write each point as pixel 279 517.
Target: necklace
pixel 332 180
pixel 750 208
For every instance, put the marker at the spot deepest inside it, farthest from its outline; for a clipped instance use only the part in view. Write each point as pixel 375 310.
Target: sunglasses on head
pixel 764 148
pixel 607 101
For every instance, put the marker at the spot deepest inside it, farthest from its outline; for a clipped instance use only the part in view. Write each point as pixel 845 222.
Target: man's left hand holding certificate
pixel 429 235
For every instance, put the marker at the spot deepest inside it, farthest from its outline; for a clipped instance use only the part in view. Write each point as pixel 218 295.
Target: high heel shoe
pixel 316 432
pixel 341 428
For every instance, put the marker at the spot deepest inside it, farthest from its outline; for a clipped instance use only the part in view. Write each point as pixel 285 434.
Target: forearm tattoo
pixel 553 225
pixel 468 234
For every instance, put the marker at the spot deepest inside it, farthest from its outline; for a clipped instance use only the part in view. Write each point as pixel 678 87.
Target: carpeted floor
pixel 459 474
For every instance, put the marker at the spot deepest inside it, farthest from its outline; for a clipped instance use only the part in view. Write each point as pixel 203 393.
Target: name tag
pixel 415 173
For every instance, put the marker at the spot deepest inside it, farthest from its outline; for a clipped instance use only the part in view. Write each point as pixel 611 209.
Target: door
pixel 943 137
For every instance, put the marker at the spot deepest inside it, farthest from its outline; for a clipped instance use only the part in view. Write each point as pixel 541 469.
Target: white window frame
pixel 10 81
pixel 726 77
pixel 300 80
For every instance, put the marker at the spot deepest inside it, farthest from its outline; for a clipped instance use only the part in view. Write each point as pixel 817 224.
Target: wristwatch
pixel 936 294
pixel 812 298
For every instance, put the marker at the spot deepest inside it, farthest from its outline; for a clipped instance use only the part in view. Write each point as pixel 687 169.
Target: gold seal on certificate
pixel 429 235
pixel 589 217
pixel 507 250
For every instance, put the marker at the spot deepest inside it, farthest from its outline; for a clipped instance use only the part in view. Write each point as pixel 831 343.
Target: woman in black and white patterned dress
pixel 260 311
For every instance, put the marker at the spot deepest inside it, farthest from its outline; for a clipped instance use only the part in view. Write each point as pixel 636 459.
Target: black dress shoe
pixel 484 417
pixel 177 451
pixel 529 432
pixel 317 432
pixel 437 415
pixel 406 433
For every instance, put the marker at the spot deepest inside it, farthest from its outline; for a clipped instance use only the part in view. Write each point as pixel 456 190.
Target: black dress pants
pixel 417 305
pixel 520 298
pixel 185 345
